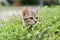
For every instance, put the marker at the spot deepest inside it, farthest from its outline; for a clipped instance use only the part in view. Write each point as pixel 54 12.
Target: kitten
pixel 29 17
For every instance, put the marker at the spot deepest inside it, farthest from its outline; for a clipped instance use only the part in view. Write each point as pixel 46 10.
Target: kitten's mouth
pixel 32 24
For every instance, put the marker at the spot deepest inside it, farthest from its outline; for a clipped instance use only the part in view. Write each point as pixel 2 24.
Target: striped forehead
pixel 31 13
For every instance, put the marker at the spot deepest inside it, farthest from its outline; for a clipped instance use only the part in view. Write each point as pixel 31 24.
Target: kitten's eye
pixel 31 17
pixel 36 17
pixel 25 18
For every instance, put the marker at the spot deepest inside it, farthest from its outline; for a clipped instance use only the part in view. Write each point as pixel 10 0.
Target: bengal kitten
pixel 29 17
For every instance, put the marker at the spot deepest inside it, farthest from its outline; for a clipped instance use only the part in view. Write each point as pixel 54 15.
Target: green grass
pixel 47 27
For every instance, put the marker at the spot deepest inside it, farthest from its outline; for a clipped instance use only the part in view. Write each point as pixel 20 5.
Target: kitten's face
pixel 30 17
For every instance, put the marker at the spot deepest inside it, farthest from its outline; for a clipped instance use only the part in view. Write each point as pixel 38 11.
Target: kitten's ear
pixel 24 11
pixel 36 10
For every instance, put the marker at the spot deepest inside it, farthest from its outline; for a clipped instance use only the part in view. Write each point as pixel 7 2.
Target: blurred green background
pixel 29 2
